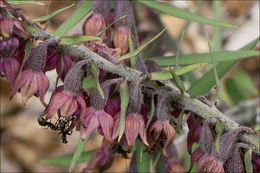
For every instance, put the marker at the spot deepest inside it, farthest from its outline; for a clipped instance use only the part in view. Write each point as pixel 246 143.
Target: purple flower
pixel 209 160
pixel 161 132
pixel 11 26
pixel 134 127
pixel 102 159
pixel 68 99
pixel 95 116
pixel 194 131
pixel 54 62
pixel 32 80
pixel 9 65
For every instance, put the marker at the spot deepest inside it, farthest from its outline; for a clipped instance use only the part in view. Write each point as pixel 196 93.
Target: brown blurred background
pixel 24 144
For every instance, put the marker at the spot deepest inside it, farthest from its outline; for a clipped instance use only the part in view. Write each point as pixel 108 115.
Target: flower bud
pixel 123 8
pixel 121 39
pixel 102 7
pixel 8 46
pixel 94 24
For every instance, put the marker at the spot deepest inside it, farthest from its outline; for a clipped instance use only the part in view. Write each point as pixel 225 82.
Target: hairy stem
pixel 190 104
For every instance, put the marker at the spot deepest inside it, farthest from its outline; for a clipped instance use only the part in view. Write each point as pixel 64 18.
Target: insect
pixel 119 149
pixel 42 122
pixel 63 127
pixel 159 84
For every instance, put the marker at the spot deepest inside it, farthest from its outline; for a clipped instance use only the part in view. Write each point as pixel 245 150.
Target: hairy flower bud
pixel 8 46
pixel 102 7
pixel 94 24
pixel 123 8
pixel 121 39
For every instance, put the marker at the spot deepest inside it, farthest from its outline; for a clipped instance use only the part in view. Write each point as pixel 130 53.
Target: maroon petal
pixel 169 132
pixel 106 123
pixel 132 127
pixel 91 123
pixel 29 89
pixel 195 156
pixel 43 85
pixel 25 75
pixel 11 68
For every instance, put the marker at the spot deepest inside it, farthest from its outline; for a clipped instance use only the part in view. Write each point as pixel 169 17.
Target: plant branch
pixel 190 104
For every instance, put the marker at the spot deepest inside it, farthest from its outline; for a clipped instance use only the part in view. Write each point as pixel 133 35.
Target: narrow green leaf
pixel 218 129
pixel 179 46
pixel 48 22
pixel 151 114
pixel 215 73
pixel 24 2
pixel 89 83
pixel 26 56
pixel 131 49
pixel 234 91
pixel 79 14
pixel 69 40
pixel 177 80
pixel 143 158
pixel 217 39
pixel 108 26
pixel 157 158
pixel 47 17
pixel 184 14
pixel 205 57
pixel 248 161
pixel 95 71
pixel 80 147
pixel 66 159
pixel 166 75
pixel 179 123
pixel 29 28
pixel 61 69
pixel 203 85
pixel 243 79
pixel 124 103
pixel 139 49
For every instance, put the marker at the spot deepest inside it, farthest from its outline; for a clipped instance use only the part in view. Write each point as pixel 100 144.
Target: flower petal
pixel 106 123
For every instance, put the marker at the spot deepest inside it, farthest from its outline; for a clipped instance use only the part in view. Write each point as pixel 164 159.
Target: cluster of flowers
pixel 95 112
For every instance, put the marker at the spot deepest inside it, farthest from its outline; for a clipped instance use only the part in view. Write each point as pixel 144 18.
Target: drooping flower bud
pixel 209 160
pixel 68 99
pixel 32 80
pixel 123 26
pixel 102 159
pixel 94 24
pixel 123 8
pixel 161 132
pixel 136 97
pixel 8 46
pixel 102 7
pixel 95 116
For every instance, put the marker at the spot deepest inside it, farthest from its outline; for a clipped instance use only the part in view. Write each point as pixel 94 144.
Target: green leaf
pixel 177 80
pixel 244 81
pixel 215 73
pixel 179 123
pixel 235 91
pixel 89 83
pixel 79 14
pixel 205 57
pixel 143 158
pixel 157 158
pixel 124 103
pixel 217 39
pixel 218 129
pixel 69 40
pixel 95 71
pixel 180 13
pixel 26 56
pixel 29 28
pixel 131 49
pixel 139 49
pixel 47 17
pixel 108 26
pixel 66 159
pixel 151 114
pixel 80 147
pixel 203 85
pixel 166 75
pixel 26 2
pixel 61 70
pixel 248 161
